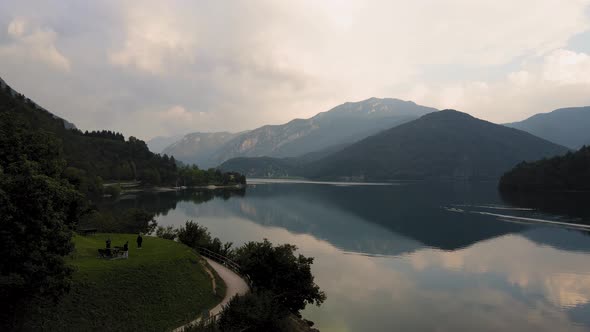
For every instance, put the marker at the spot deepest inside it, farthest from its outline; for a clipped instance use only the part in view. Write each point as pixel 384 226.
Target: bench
pixel 116 252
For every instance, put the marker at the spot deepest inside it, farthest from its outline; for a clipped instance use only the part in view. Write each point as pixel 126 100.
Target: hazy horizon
pixel 159 69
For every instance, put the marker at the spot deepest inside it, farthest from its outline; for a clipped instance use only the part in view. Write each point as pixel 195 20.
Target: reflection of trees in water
pixel 415 212
pixel 160 203
pixel 572 205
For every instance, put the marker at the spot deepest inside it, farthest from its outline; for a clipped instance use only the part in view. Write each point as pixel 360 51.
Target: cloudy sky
pixel 150 68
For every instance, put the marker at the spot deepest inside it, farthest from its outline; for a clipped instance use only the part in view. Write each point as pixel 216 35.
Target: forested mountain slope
pixel 445 144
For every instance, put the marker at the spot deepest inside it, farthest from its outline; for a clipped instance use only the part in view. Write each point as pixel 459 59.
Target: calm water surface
pixel 413 256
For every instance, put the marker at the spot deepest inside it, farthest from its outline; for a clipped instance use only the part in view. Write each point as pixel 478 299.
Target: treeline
pixel 276 298
pixel 193 176
pixel 564 173
pixel 106 134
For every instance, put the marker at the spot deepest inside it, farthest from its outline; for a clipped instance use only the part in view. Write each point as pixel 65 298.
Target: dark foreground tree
pixel 279 270
pixel 254 312
pixel 38 210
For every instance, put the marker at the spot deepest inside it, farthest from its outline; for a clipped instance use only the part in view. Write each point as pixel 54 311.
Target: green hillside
pixel 103 154
pixel 445 144
pixel 159 287
pixel 98 156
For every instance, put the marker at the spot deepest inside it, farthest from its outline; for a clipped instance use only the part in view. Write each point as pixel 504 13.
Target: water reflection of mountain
pixel 381 220
pixel 413 211
pixel 559 238
pixel 342 229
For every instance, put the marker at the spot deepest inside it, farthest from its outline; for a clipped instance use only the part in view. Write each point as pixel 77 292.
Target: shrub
pixel 168 232
pixel 112 190
pixel 195 236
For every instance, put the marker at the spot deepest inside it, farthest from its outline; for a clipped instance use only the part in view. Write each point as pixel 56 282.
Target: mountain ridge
pixel 343 124
pixel 565 126
pixel 444 144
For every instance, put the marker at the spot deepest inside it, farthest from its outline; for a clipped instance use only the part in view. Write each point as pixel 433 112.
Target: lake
pixel 413 255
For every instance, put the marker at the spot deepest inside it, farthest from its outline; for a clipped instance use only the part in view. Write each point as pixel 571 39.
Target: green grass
pixel 158 288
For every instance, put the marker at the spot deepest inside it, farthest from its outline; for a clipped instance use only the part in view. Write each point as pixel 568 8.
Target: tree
pixel 151 176
pixel 113 190
pixel 194 235
pixel 255 312
pixel 197 236
pixel 168 232
pixel 38 210
pixel 137 220
pixel 280 271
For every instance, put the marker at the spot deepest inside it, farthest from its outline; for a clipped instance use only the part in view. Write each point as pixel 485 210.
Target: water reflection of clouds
pixel 562 277
pixel 505 283
pixel 382 294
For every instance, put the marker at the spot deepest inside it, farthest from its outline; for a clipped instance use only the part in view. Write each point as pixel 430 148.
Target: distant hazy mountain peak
pixel 565 126
pixel 341 125
pixel 198 148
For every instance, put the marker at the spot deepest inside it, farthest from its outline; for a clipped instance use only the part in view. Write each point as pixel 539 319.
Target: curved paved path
pixel 235 285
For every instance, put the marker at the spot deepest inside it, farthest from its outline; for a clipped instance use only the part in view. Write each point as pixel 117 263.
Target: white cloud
pixel 176 113
pixel 519 78
pixel 561 79
pixel 154 40
pixel 531 267
pixel 567 67
pixel 250 63
pixel 16 27
pixel 34 44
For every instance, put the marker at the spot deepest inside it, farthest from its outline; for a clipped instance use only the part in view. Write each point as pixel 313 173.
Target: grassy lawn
pixel 158 288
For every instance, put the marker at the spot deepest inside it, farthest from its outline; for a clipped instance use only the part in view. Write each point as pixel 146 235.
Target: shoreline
pixel 159 189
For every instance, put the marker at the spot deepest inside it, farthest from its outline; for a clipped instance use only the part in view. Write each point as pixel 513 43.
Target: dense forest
pixel 264 166
pixel 563 173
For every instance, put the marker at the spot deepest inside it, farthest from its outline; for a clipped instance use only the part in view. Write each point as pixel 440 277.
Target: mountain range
pixel 199 148
pixel 445 144
pixel 340 126
pixel 159 143
pixel 566 126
